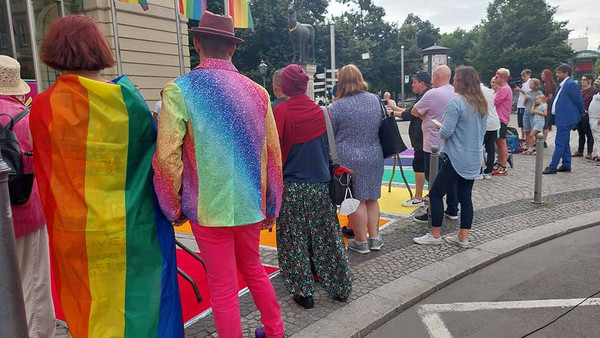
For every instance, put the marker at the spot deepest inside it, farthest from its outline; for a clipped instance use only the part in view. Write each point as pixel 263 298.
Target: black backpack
pixel 19 183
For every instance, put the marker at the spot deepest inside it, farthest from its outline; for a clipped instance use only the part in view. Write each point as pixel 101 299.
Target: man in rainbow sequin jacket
pixel 218 164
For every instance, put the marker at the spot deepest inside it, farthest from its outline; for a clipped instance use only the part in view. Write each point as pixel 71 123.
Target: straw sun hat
pixel 10 77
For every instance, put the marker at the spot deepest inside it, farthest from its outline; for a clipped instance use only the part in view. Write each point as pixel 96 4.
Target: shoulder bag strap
pixel 20 116
pixel 330 138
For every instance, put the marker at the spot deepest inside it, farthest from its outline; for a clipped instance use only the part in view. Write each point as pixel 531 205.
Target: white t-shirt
pixel 521 99
pixel 493 122
pixel 594 110
pixel 157 107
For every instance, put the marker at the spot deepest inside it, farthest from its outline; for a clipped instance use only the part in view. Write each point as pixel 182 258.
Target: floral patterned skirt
pixel 309 239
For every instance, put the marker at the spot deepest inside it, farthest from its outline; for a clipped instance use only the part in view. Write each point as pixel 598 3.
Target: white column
pixel 11 30
pixel 179 43
pixel 332 40
pixel 34 48
pixel 113 14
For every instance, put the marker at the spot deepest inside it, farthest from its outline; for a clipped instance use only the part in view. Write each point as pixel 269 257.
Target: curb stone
pixel 387 301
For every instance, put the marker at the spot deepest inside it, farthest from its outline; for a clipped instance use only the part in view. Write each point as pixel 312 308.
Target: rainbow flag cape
pixel 192 9
pixel 143 3
pixel 240 11
pixel 112 249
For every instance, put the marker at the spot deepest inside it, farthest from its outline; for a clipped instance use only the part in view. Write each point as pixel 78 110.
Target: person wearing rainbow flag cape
pixel 218 164
pixel 112 249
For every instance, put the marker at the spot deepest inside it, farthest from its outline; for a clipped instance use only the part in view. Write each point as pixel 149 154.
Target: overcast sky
pixel 447 15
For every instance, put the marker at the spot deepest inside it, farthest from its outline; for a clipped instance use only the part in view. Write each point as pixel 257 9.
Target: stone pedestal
pixel 311 70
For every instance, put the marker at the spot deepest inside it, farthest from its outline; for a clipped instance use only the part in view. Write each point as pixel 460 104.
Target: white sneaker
pixel 413 202
pixel 453 239
pixel 428 239
pixel 487 176
pixel 479 177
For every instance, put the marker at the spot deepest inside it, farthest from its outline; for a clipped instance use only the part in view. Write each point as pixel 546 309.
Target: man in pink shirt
pixel 503 103
pixel 432 106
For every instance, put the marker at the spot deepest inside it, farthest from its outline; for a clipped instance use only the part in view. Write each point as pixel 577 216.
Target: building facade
pixel 148 39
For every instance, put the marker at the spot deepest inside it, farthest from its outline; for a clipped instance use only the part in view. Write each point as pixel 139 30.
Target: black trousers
pixel 489 141
pixel 585 131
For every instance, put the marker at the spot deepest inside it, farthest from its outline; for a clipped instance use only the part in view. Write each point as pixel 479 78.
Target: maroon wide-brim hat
pixel 215 26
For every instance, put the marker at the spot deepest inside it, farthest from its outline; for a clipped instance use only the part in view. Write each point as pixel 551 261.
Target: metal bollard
pixel 13 321
pixel 433 171
pixel 539 167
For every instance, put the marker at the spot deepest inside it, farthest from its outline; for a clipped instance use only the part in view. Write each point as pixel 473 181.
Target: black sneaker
pixel 424 219
pixel 348 233
pixel 305 302
pixel 563 169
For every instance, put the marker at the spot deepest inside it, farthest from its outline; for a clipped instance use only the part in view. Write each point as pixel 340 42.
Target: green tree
pixel 460 42
pixel 519 34
pixel 415 35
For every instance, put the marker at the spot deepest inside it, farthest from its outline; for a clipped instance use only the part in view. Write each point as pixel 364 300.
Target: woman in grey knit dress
pixel 356 120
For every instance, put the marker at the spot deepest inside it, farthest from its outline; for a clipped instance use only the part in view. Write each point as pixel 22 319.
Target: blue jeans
pixel 451 198
pixel 447 181
pixel 562 148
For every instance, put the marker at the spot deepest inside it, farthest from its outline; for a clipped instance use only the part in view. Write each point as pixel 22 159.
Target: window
pixel 23 33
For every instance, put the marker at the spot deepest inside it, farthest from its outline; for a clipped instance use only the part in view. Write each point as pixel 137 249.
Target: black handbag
pixel 389 135
pixel 342 178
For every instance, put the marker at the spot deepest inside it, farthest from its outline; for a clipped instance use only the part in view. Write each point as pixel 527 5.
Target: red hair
pixel 549 84
pixel 76 43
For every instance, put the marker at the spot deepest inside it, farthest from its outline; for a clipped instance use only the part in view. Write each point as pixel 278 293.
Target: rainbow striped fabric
pixel 218 159
pixel 112 250
pixel 240 11
pixel 143 3
pixel 192 9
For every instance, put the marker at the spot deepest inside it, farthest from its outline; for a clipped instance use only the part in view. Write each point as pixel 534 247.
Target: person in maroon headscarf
pixel 309 238
pixel 549 91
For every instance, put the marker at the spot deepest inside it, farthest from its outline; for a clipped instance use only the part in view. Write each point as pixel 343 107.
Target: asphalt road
pixel 515 296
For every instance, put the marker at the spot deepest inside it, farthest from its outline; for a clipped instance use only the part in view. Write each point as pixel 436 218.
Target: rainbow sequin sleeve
pixel 274 167
pixel 167 162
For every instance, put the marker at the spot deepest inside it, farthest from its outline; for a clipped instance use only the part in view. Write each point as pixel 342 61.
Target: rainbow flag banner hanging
pixel 192 9
pixel 112 249
pixel 143 3
pixel 240 11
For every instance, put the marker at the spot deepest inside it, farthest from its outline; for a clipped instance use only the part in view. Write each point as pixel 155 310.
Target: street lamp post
pixel 262 68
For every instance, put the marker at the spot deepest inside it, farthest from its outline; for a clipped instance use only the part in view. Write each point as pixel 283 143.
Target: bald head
pixel 387 95
pixel 441 76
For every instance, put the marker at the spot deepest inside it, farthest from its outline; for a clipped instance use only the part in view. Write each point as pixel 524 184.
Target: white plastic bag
pixel 349 205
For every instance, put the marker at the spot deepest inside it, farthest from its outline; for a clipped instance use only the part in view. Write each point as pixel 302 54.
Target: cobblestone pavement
pixel 502 206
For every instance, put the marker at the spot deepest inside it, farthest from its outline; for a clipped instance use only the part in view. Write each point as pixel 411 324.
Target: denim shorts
pixel 527 122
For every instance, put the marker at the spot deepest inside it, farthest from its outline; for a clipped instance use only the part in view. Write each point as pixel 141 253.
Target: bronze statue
pixel 302 36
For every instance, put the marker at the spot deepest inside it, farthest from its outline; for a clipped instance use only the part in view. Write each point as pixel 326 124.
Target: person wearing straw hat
pixel 218 164
pixel 32 248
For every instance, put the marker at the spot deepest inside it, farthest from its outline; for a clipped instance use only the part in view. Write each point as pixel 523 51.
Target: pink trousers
pixel 224 249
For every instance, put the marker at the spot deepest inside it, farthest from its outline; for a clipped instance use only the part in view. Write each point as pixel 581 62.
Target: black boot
pixel 305 302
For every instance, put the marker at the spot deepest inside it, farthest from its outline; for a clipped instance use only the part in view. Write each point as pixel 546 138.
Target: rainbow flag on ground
pixel 143 3
pixel 112 249
pixel 192 9
pixel 240 11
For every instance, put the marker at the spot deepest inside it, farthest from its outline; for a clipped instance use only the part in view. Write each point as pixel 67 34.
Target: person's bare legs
pixel 502 151
pixel 546 131
pixel 463 234
pixel 419 185
pixel 357 221
pixel 373 217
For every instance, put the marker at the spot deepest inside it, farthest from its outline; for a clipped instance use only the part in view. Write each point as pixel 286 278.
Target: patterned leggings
pixel 309 237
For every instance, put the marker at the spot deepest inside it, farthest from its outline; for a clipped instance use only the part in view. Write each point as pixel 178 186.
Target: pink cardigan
pixel 29 216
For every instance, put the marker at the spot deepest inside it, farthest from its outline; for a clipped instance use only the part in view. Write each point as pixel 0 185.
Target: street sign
pixel 406 78
pixel 365 56
pixel 320 76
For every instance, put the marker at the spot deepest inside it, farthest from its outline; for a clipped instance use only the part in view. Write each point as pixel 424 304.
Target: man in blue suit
pixel 567 107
